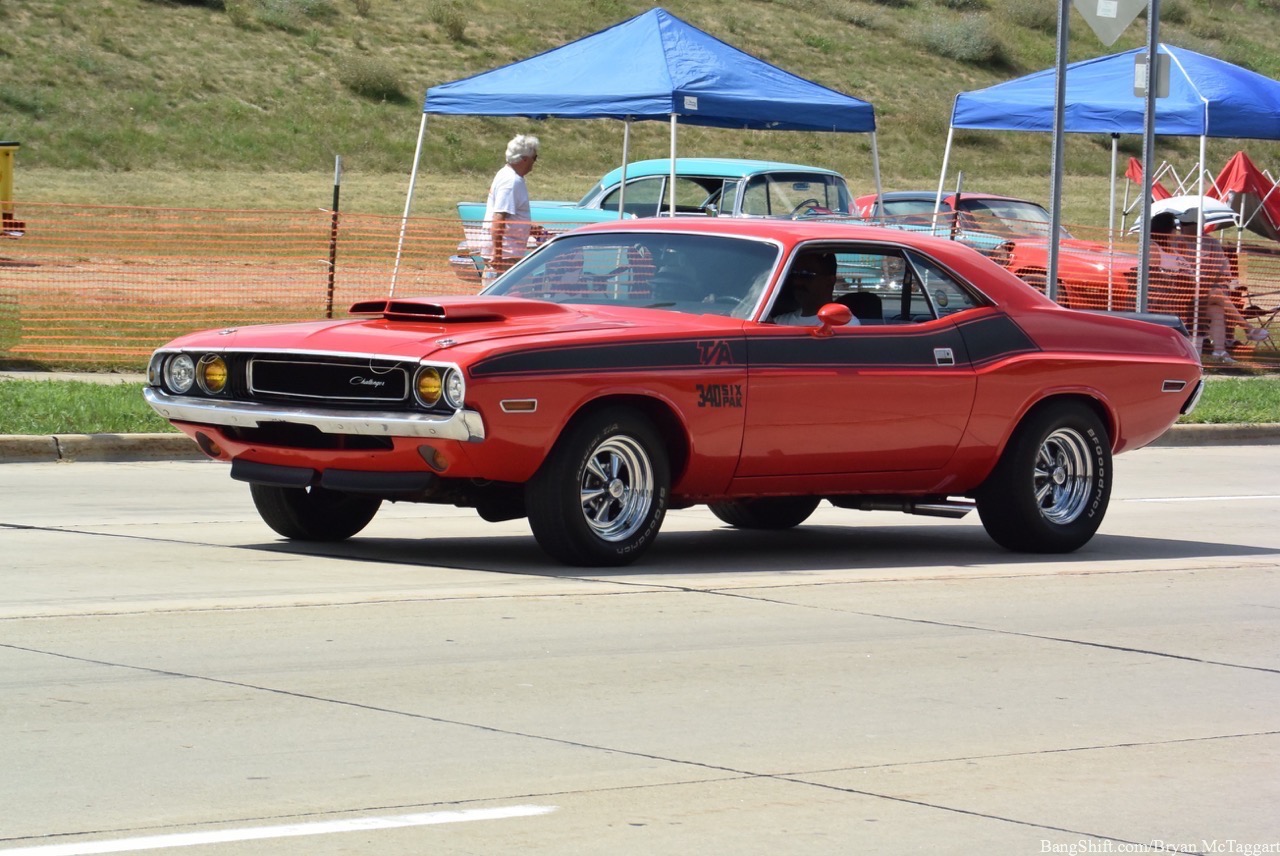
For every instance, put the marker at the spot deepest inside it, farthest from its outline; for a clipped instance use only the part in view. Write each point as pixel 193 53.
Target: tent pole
pixel 1195 305
pixel 626 153
pixel 946 155
pixel 1111 224
pixel 875 168
pixel 408 202
pixel 671 188
pixel 1059 128
pixel 1148 154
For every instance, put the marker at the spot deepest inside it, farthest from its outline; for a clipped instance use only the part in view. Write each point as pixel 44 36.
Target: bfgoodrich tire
pixel 313 513
pixel 600 497
pixel 770 512
pixel 1050 489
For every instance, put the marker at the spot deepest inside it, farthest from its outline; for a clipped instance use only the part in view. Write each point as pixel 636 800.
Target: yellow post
pixel 8 224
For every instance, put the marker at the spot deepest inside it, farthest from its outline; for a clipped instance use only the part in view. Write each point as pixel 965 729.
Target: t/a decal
pixel 720 395
pixel 715 353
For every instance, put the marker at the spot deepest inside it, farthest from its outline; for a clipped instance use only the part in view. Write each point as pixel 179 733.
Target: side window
pixel 691 196
pixel 644 196
pixel 946 294
pixel 885 285
pixel 872 282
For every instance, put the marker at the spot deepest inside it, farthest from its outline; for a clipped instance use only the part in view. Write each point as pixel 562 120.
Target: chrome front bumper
pixel 464 425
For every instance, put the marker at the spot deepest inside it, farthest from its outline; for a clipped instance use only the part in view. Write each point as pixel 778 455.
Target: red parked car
pixel 1091 275
pixel 627 368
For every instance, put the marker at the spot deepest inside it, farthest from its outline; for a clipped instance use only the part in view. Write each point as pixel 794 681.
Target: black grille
pixel 328 380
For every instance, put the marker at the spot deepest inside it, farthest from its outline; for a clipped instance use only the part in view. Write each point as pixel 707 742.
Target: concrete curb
pixel 30 449
pixel 1221 435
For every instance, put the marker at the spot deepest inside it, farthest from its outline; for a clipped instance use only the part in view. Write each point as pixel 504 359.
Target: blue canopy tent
pixel 652 67
pixel 1208 97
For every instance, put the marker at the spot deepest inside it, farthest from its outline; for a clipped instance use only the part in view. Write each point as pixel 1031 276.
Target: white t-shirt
pixel 507 195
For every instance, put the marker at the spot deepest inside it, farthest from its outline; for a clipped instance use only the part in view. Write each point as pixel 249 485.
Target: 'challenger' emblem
pixel 364 381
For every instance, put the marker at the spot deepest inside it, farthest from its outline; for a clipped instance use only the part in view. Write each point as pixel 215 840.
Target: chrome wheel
pixel 600 497
pixel 1049 491
pixel 1063 476
pixel 617 488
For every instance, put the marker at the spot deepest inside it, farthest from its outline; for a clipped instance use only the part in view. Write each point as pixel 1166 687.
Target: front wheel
pixel 313 513
pixel 600 497
pixel 1050 489
pixel 770 512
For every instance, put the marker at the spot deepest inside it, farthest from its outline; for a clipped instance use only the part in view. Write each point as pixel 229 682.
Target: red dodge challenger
pixel 627 368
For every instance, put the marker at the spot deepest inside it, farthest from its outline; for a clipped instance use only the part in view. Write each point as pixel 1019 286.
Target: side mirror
pixel 832 315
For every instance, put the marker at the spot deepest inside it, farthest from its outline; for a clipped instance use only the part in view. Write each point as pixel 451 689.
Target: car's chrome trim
pixel 1193 399
pixel 1173 386
pixel 464 425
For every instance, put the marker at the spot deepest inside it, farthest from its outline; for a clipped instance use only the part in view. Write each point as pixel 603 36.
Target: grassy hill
pixel 245 103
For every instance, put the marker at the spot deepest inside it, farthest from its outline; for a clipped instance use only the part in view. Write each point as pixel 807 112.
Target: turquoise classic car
pixel 708 187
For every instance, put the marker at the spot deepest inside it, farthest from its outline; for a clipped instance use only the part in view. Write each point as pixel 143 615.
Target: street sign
pixel 1109 18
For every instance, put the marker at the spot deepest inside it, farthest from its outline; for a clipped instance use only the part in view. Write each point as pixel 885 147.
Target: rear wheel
pixel 600 497
pixel 1050 489
pixel 770 512
pixel 313 513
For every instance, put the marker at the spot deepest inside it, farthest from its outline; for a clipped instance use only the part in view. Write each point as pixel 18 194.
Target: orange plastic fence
pixel 1227 288
pixel 102 286
pixel 105 285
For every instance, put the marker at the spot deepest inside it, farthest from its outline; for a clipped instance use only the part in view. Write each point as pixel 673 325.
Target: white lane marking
pixel 327 827
pixel 1206 498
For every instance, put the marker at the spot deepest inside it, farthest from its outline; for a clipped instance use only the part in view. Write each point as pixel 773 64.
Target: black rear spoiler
pixel 1160 318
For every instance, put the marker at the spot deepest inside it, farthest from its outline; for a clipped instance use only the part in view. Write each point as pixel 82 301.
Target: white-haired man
pixel 506 211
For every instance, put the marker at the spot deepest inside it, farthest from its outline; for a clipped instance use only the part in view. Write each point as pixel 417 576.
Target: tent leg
pixel 626 154
pixel 671 188
pixel 1195 304
pixel 875 169
pixel 946 157
pixel 1111 225
pixel 408 202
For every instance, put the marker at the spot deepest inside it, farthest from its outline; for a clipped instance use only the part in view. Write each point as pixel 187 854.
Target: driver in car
pixel 810 284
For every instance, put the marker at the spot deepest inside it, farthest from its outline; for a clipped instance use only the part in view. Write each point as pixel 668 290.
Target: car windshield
pixel 789 194
pixel 1009 217
pixel 699 274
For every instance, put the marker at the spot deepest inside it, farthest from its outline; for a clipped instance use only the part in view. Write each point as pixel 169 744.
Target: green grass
pixel 245 103
pixel 80 407
pixel 1229 400
pixel 75 407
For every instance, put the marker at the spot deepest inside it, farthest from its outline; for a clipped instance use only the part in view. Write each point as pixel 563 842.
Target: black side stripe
pixel 711 353
pixel 974 343
pixel 995 337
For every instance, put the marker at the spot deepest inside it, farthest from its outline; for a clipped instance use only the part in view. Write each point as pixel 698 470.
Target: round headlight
pixel 455 389
pixel 180 374
pixel 427 386
pixel 213 374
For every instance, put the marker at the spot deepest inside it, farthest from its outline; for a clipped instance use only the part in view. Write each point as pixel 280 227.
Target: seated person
pixel 1179 256
pixel 810 282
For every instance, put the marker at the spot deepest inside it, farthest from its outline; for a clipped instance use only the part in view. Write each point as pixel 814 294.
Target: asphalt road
pixel 174 676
